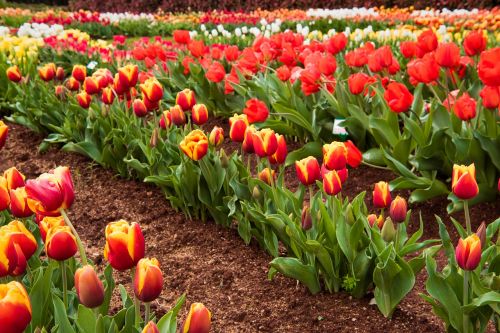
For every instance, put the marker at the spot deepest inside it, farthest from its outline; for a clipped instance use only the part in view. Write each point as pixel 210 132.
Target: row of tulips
pixel 36 237
pixel 340 245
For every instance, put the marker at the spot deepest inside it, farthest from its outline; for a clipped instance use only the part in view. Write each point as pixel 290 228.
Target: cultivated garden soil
pixel 212 265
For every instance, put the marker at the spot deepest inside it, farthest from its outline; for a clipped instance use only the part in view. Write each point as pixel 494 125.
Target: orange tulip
pixel 89 287
pixel 151 328
pixel 14 74
pixel 14 178
pixel 79 72
pixel 463 181
pixel 267 176
pixel 15 307
pixel 279 156
pixel 468 252
pixel 354 155
pixel 124 244
pixel 152 90
pixel 195 145
pixel 19 203
pixel 216 137
pixel 49 222
pixel 148 281
pixel 84 99
pixel 4 194
pixel 47 72
pixel 381 195
pixel 237 127
pixel 264 142
pixel 4 131
pixel 374 220
pixel 332 183
pixel 308 170
pixel 127 76
pixel 198 319
pixel 108 95
pixel 60 243
pixel 185 99
pixel 166 119
pixel 199 114
pixel 398 209
pixel 335 155
pixel 178 116
pixel 72 84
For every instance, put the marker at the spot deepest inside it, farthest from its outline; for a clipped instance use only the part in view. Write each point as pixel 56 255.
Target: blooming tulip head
pixel 72 84
pixel 124 244
pixel 267 175
pixel 178 116
pixel 182 36
pixel 185 99
pixel 15 307
pixel 148 282
pixel 215 72
pixel 398 97
pixel 463 181
pixel 49 222
pixel 47 72
pixel 398 209
pixel 84 99
pixel 468 252
pixel 264 142
pixel 447 55
pixel 152 89
pixel 335 155
pixel 198 319
pixel 237 127
pixel 308 170
pixel 199 114
pixel 19 203
pixel 14 74
pixel 474 43
pixel 140 109
pixel 151 328
pixel 60 243
pixel 108 95
pixel 354 155
pixel 488 67
pixel 195 145
pixel 79 72
pixel 89 287
pixel 332 184
pixel 490 97
pixel 256 111
pixel 91 85
pixel 14 178
pixel 375 220
pixel 465 107
pixel 381 195
pixel 216 136
pixel 128 76
pixel 279 157
pixel 17 245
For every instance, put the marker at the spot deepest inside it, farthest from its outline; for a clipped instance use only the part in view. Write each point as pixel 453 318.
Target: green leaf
pixel 60 316
pixel 309 149
pixel 293 268
pixel 86 319
pixel 168 323
pixel 489 298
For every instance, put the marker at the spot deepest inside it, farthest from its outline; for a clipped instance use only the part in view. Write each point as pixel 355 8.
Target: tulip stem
pixel 64 278
pixel 375 166
pixel 81 249
pixel 466 300
pixel 467 217
pixel 137 303
pixel 147 309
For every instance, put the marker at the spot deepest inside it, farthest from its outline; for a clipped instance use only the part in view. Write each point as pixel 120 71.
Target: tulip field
pixel 249 170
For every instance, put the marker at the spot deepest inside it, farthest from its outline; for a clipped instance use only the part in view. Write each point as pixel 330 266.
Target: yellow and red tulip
pixel 216 136
pixel 199 114
pixel 463 181
pixel 178 116
pixel 376 220
pixel 332 184
pixel 49 222
pixel 151 328
pixel 47 72
pixel 185 99
pixel 60 243
pixel 8 256
pixel 79 72
pixel 140 109
pixel 381 195
pixel 19 203
pixel 308 170
pixel 16 248
pixel 247 144
pixel 91 85
pixel 398 209
pixel 148 281
pixel 89 287
pixel 335 155
pixel 166 119
pixel 124 244
pixel 84 99
pixel 468 252
pixel 108 95
pixel 127 76
pixel 195 145
pixel 14 74
pixel 267 176
pixel 279 156
pixel 306 218
pixel 72 84
pixel 4 194
pixel 198 319
pixel 4 131
pixel 152 90
pixel 264 142
pixel 237 127
pixel 15 307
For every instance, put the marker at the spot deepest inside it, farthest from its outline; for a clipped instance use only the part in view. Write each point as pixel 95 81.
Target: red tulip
pixel 15 307
pixel 72 84
pixel 4 194
pixel 427 41
pixel 256 111
pixel 474 43
pixel 89 287
pixel 47 72
pixel 152 90
pixel 247 144
pixel 17 246
pixel 425 70
pixel 19 203
pixel 14 178
pixel 182 36
pixel 60 73
pixel 267 176
pixel 465 107
pixel 124 244
pixel 231 53
pixel 408 49
pixel 489 67
pixel 463 181
pixel 108 95
pixel 468 252
pixel 91 85
pixel 283 73
pixel 216 72
pixel 139 107
pixel 127 77
pixel 398 97
pixel 447 55
pixel 198 319
pixel 148 281
pixel 199 114
pixel 354 155
pixel 178 116
pixel 357 83
pixel 308 170
pixel 374 220
pixel 490 96
pixel 60 243
pixel 336 43
pixel 49 222
pixel 166 119
pixel 398 209
pixel 150 328
pixel 381 195
pixel 279 157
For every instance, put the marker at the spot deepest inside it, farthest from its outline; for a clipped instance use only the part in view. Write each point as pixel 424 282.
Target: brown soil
pixel 211 264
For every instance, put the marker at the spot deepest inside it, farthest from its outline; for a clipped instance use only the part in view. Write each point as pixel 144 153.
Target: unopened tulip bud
pixel 375 220
pixel 178 116
pixel 256 193
pixel 267 176
pixel 349 215
pixel 148 282
pixel 153 141
pixel 468 252
pixel 398 209
pixel 198 319
pixel 89 287
pixel 306 218
pixel 216 136
pixel 151 328
pixel 224 159
pixel 388 231
pixel 481 233
pixel 60 73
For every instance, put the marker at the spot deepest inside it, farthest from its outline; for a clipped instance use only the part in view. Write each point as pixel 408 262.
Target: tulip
pixel 178 115
pixel 165 119
pixel 60 244
pixel 256 111
pixel 14 178
pixel 8 256
pixel 465 107
pixel 84 99
pixel 247 144
pixel 306 218
pixel 357 82
pixel 490 97
pixel 237 127
pixel 216 137
pixel 15 307
pixel 215 72
pixel 4 194
pixel 474 43
pixel 264 142
pixel 447 55
pixel 14 74
pixel 127 76
pixel 152 90
pixel 89 287
pixel 182 36
pixel 60 73
pixel 79 72
pixel 47 72
pixel 198 319
pixel 308 170
pixel 381 195
pixel 195 145
pixel 481 233
pixel 279 157
pixel 332 183
pixel 425 70
pixel 72 84
pixel 18 245
pixel 91 85
pixel 335 155
pixel 468 252
pixel 124 244
pixel 336 43
pixel 488 67
pixel 398 209
pixel 148 281
pixel 4 131
pixel 283 73
pixel 374 220
pixel 463 181
pixel 388 231
pixel 398 97
pixel 267 176
pixel 19 203
pixel 199 114
pixel 185 99
pixel 354 155
pixel 51 191
pixel 49 222
pixel 59 91
pixel 427 41
pixel 108 96
pixel 408 49
pixel 140 109
pixel 151 328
